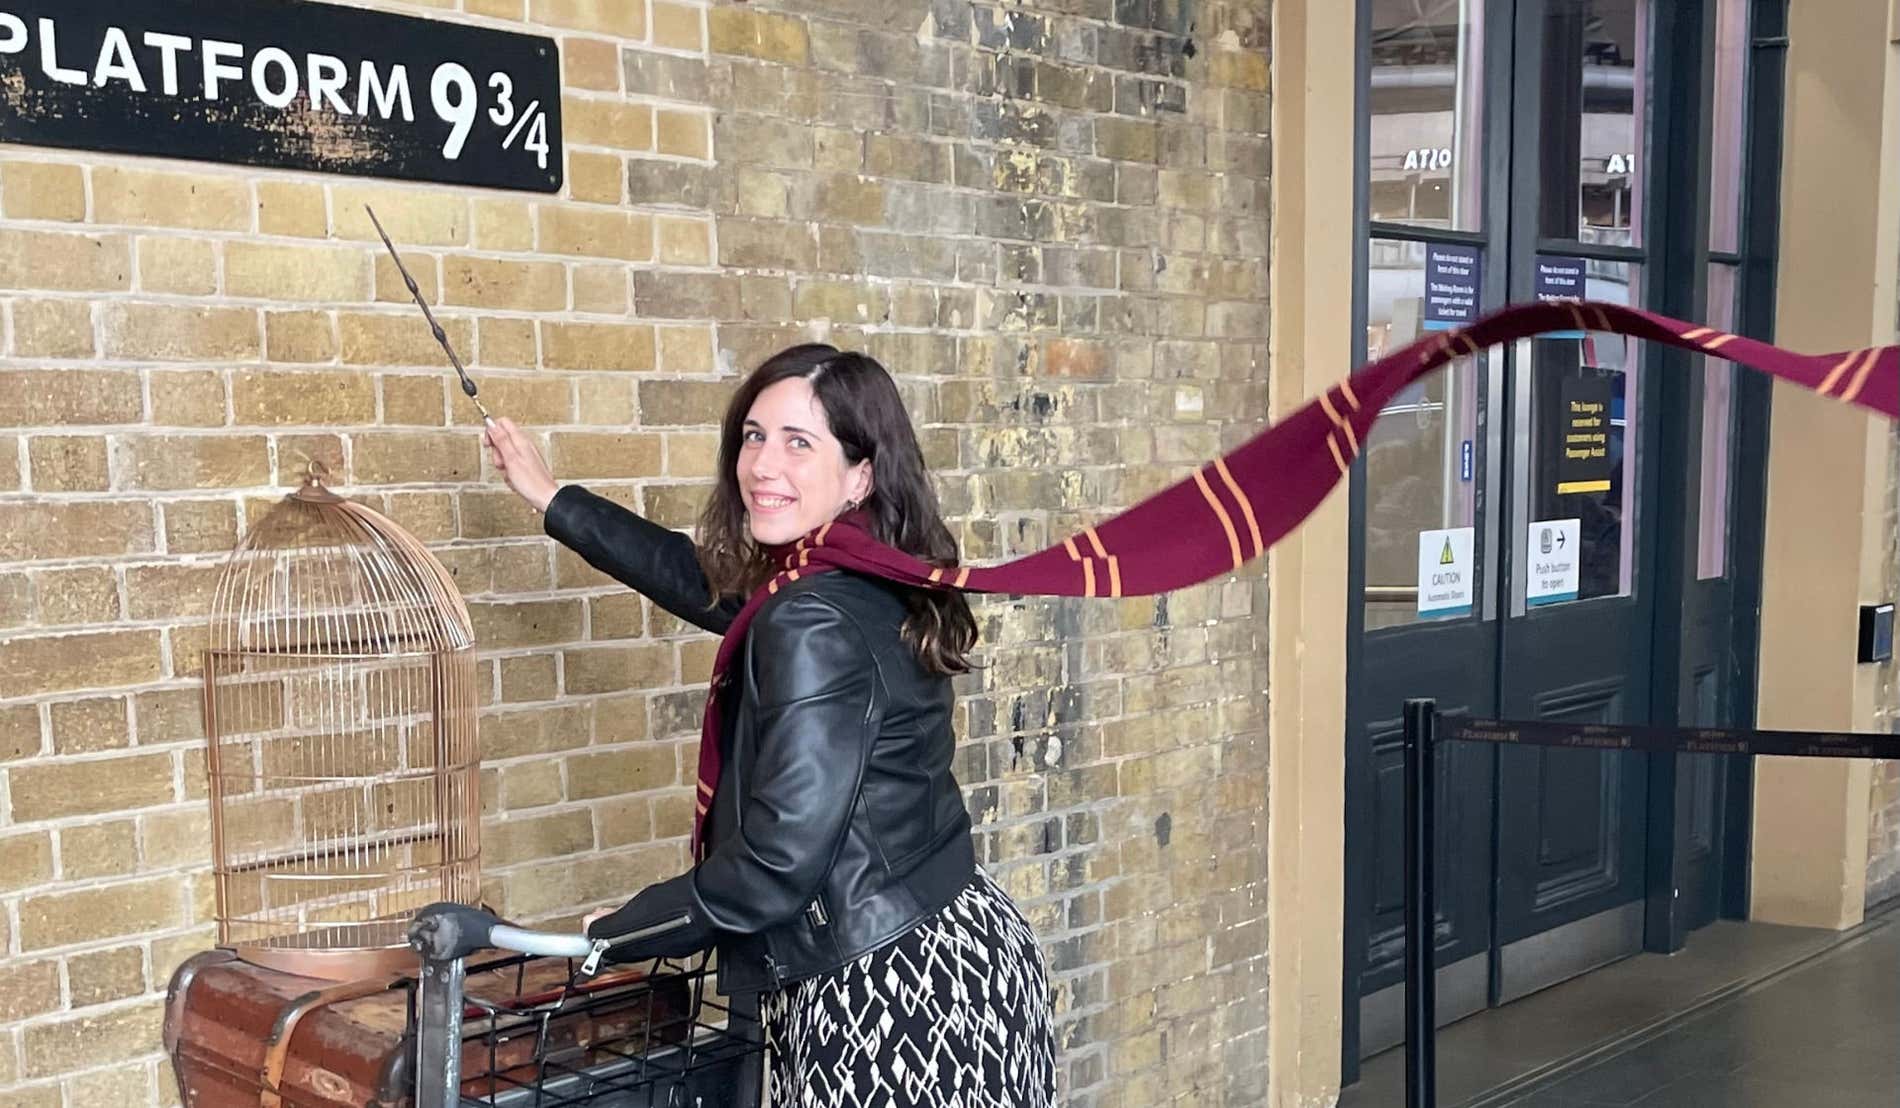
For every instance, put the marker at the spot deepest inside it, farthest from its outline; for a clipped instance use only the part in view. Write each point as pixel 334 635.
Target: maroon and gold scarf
pixel 1235 507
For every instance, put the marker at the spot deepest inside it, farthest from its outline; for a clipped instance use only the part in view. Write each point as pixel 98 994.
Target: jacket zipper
pixel 601 946
pixel 815 911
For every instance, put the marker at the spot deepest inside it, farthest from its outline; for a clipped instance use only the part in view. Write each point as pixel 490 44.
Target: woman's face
pixel 792 472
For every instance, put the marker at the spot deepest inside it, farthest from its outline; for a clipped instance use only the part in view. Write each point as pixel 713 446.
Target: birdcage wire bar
pixel 340 705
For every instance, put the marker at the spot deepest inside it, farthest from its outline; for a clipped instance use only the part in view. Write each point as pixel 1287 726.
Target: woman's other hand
pixel 520 464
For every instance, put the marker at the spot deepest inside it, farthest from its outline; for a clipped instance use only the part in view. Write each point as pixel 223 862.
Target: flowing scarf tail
pixel 1233 509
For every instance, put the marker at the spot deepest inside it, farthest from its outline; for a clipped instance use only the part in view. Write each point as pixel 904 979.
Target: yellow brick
pixel 604 401
pixel 597 233
pixel 185 266
pixel 592 346
pixel 128 1085
pixel 531 401
pixel 154 199
pixel 176 837
pixel 29 988
pixel 501 283
pixel 261 396
pixel 497 9
pixel 180 590
pixel 105 975
pixel 89 594
pixel 26 860
pixel 42 190
pixel 532 838
pixel 90 725
pixel 45 398
pixel 690 454
pixel 757 34
pixel 531 623
pixel 683 134
pixel 19 732
pixel 685 241
pixel 610 123
pixel 98 850
pixel 292 208
pixel 31 1096
pixel 296 272
pixel 91 1040
pixel 164 331
pixel 187 647
pixel 16 610
pixel 68 463
pixel 299 337
pixel 621 772
pixel 412 399
pixel 504 224
pixel 590 454
pixel 198 526
pixel 169 716
pixel 508 343
pixel 590 63
pixel 296 452
pixel 397 457
pixel 54 789
pixel 50 260
pixel 191 398
pixel 601 289
pixel 529 677
pixel 392 289
pixel 531 785
pixel 211 461
pixel 678 26
pixel 413 217
pixel 74 529
pixel 615 17
pixel 685 350
pixel 596 178
pixel 399 339
pixel 52 328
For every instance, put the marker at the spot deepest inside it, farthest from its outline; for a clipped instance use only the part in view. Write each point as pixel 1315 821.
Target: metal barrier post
pixel 1421 993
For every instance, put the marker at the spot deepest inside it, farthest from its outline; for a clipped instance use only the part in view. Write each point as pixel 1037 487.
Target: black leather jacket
pixel 837 824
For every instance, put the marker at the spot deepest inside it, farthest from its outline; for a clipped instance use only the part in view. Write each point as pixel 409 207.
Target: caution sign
pixel 1583 455
pixel 284 83
pixel 1446 577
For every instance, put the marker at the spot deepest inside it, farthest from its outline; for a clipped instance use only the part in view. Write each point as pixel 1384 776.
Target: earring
pixel 851 504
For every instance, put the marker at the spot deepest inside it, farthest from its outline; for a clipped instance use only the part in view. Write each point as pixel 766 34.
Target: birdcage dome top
pixel 323 575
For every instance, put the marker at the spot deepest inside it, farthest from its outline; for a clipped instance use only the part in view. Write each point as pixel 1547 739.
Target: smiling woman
pixel 836 872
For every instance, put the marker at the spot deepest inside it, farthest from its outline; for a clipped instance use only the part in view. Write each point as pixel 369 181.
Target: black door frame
pixel 1679 260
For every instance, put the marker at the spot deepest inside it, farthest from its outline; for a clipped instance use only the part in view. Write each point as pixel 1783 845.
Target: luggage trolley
pixel 558 1033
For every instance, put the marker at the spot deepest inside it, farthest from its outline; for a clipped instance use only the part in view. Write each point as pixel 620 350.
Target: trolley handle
pixel 446 931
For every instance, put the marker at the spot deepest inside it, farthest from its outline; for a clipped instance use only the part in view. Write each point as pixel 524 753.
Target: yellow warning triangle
pixel 1447 557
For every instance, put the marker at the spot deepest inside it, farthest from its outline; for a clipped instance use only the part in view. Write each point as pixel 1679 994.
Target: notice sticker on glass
pixel 1445 573
pixel 1550 562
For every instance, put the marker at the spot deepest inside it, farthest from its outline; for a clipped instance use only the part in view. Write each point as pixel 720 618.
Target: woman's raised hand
pixel 520 464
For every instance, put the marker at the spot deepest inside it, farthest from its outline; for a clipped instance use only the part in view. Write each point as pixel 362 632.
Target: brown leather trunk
pixel 240 1034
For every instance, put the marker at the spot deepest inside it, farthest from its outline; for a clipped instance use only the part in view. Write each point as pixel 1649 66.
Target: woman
pixel 838 877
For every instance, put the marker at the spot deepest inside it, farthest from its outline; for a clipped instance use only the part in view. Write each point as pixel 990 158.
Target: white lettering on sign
pixel 1620 163
pixel 1445 572
pixel 1428 158
pixel 276 77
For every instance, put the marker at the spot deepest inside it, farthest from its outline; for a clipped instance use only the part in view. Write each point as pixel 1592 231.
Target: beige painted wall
pixel 1827 465
pixel 1311 296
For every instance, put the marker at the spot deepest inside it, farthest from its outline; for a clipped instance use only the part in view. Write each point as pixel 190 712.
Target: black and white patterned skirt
pixel 954 1013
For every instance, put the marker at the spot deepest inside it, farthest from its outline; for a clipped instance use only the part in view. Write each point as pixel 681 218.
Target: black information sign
pixel 1668 740
pixel 1559 279
pixel 1583 461
pixel 1452 277
pixel 284 83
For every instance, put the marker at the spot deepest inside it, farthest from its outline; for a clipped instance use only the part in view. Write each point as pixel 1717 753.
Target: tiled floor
pixel 1823 1033
pixel 1702 1027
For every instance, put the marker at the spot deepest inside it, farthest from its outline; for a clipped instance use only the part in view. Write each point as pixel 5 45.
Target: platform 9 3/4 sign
pixel 284 83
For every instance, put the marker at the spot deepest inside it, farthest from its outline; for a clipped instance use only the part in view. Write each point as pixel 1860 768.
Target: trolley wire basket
pixel 537 1031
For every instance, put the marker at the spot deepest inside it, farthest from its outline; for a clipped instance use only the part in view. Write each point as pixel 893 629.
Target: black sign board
pixel 1452 277
pixel 1559 279
pixel 1583 461
pixel 284 83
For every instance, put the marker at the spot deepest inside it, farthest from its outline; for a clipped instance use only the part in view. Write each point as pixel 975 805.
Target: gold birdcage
pixel 340 711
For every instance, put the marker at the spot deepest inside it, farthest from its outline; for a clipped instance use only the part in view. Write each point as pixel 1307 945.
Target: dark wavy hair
pixel 865 413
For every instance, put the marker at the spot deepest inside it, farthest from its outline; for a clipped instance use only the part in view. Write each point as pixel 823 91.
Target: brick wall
pixel 1049 221
pixel 1883 824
